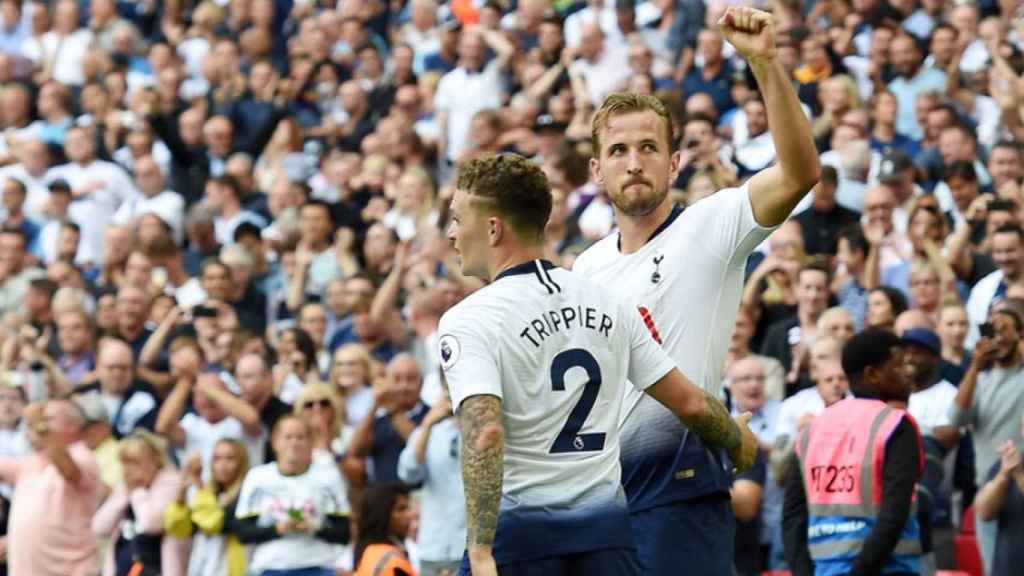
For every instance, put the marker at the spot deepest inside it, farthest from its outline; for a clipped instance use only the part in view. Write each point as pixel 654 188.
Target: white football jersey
pixel 686 283
pixel 557 350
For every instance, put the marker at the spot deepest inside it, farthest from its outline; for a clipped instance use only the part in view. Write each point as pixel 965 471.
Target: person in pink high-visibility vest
pixel 850 491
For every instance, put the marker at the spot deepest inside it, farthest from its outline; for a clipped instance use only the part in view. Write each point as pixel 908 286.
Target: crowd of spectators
pixel 223 259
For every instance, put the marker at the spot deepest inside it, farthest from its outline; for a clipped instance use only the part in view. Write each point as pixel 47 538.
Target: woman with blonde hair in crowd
pixel 132 517
pixel 206 513
pixel 324 409
pixel 352 372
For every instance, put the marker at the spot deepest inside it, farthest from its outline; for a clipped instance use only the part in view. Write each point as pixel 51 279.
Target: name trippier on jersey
pixel 552 322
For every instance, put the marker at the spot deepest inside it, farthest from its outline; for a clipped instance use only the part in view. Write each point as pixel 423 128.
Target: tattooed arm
pixel 483 450
pixel 708 417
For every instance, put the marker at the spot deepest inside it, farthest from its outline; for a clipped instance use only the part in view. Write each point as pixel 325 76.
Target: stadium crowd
pixel 223 259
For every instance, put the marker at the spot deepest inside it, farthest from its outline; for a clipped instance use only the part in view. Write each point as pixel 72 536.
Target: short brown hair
pixel 626 103
pixel 516 186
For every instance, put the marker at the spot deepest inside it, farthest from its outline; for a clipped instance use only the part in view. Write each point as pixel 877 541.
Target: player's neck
pixel 635 231
pixel 512 257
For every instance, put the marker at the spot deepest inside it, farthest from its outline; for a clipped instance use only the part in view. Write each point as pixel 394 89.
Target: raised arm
pixel 497 41
pixel 992 496
pixel 297 283
pixel 167 419
pixel 776 190
pixel 235 407
pixel 875 235
pixel 961 411
pixel 383 307
pixel 958 245
pixel 155 343
pixel 483 468
pixel 708 417
pixel 57 451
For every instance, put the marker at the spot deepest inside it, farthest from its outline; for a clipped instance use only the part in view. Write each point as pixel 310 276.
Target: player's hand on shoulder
pixel 744 455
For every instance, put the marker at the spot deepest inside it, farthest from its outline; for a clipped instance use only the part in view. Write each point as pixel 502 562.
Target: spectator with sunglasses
pixel 431 458
pixel 324 409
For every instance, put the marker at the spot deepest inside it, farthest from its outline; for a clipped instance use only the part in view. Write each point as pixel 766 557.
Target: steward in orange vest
pixel 383 524
pixel 850 491
pixel 384 560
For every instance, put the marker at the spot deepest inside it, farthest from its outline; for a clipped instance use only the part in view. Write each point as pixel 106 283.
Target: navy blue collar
pixel 528 267
pixel 677 209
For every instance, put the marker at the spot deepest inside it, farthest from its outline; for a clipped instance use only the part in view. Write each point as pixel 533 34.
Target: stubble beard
pixel 638 206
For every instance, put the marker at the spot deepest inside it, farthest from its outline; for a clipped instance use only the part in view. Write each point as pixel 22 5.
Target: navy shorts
pixel 696 534
pixel 607 562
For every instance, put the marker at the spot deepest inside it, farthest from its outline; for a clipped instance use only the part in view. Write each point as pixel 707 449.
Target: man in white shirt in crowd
pixel 216 410
pixel 797 411
pixel 1008 255
pixel 929 403
pixel 168 205
pixel 603 65
pixel 758 151
pixel 98 188
pixel 33 158
pixel 224 194
pixel 67 44
pixel 473 86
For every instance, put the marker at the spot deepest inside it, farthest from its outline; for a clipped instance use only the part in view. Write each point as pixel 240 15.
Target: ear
pixel 674 164
pixel 495 230
pixel 595 171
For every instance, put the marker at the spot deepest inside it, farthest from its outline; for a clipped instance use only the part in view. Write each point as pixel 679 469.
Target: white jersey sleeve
pixel 725 223
pixel 468 356
pixel 648 362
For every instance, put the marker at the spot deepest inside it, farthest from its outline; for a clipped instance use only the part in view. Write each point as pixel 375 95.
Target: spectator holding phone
pixel 990 401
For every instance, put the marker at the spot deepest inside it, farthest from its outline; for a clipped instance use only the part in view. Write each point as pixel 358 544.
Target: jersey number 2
pixel 570 439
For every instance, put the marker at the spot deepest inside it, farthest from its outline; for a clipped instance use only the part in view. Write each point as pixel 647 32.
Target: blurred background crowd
pixel 223 262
